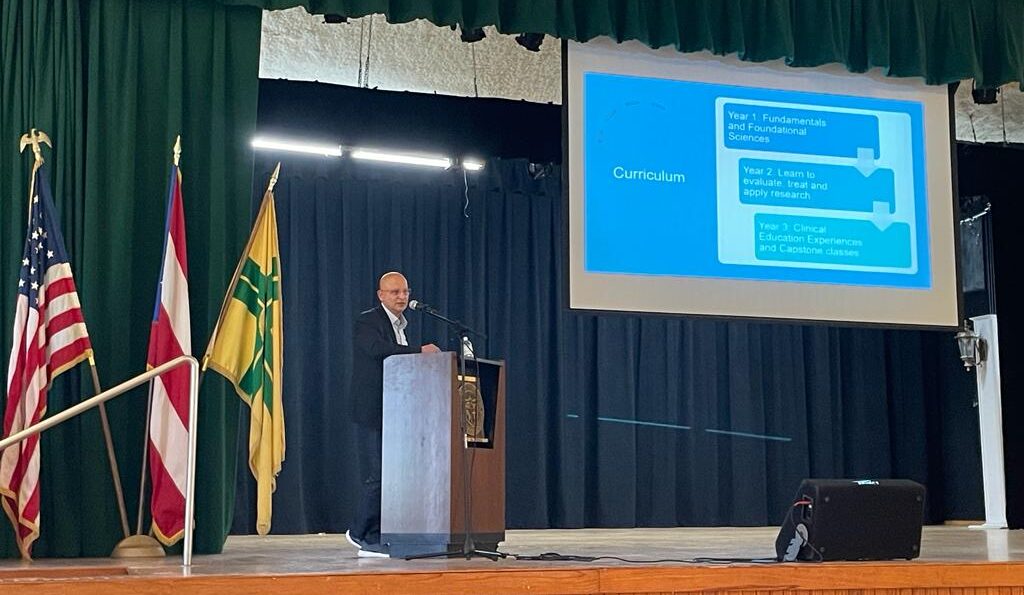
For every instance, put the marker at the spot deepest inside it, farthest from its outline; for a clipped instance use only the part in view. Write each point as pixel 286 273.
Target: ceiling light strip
pixel 261 142
pixel 296 147
pixel 442 162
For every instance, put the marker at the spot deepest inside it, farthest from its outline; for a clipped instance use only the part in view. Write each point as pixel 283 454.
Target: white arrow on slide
pixel 866 161
pixel 880 215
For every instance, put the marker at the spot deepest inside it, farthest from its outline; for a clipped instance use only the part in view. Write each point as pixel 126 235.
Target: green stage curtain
pixel 113 82
pixel 940 40
pixel 41 86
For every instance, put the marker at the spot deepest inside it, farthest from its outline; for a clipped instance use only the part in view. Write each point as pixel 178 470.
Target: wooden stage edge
pixel 954 560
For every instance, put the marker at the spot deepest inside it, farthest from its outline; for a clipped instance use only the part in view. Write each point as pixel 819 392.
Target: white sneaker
pixel 371 552
pixel 355 543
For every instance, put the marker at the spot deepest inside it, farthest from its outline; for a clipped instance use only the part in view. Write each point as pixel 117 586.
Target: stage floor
pixel 953 559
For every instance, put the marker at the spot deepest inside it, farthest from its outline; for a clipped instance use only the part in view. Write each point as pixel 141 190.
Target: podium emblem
pixel 473 407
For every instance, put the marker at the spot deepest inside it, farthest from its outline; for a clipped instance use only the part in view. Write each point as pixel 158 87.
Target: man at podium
pixel 378 333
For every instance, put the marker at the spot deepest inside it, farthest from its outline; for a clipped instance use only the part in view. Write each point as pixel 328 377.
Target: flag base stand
pixel 138 546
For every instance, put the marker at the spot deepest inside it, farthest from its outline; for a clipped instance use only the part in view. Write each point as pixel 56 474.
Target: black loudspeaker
pixel 843 519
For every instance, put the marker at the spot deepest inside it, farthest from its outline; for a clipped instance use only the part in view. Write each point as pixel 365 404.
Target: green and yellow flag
pixel 246 348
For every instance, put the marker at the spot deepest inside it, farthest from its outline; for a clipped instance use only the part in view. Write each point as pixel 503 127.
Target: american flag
pixel 49 337
pixel 170 336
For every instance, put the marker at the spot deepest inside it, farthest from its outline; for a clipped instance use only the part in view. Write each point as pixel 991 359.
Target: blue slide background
pixel 658 228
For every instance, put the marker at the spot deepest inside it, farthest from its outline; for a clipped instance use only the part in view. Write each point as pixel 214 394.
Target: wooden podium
pixel 422 506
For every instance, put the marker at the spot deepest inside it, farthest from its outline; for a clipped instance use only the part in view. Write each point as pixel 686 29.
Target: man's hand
pixel 430 348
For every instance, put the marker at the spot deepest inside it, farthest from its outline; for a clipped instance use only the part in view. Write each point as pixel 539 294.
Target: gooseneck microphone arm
pixel 431 311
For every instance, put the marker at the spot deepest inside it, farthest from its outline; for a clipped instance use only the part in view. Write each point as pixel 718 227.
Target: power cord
pixel 556 557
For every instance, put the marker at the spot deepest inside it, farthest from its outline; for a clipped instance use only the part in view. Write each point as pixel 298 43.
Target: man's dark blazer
pixel 373 339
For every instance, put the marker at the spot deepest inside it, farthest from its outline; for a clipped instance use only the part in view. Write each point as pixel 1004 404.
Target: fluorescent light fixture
pixel 263 142
pixel 442 162
pixel 282 145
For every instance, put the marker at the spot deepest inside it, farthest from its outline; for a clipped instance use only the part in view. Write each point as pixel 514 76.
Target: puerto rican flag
pixel 49 337
pixel 170 336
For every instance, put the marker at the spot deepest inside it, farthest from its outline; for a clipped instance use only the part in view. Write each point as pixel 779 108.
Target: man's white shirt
pixel 398 324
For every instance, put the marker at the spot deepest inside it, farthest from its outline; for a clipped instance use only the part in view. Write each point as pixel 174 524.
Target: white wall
pixel 417 56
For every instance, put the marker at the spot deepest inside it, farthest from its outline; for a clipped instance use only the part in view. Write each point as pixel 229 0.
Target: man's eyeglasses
pixel 397 291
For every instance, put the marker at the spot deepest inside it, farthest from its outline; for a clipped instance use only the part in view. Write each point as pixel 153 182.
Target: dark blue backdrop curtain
pixel 613 420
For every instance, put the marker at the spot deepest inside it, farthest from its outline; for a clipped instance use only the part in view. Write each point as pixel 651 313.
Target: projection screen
pixel 702 185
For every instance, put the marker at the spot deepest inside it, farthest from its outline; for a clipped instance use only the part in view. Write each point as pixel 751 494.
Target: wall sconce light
pixel 972 347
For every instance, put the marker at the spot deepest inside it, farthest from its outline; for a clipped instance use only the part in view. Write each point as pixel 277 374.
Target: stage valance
pixel 937 40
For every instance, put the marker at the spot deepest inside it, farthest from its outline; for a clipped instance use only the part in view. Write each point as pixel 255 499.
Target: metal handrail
pixel 110 393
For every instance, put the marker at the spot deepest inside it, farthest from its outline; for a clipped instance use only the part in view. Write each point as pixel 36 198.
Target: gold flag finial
pixel 34 137
pixel 177 150
pixel 273 177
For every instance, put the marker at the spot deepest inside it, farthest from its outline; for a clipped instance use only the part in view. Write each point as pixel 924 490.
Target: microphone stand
pixel 469 548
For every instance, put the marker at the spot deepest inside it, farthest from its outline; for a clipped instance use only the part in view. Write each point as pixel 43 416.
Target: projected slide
pixel 702 185
pixel 710 180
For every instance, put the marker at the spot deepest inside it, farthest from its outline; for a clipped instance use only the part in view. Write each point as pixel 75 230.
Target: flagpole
pixel 140 544
pixel 115 473
pixel 34 138
pixel 238 269
pixel 149 406
pixel 145 459
pixel 32 189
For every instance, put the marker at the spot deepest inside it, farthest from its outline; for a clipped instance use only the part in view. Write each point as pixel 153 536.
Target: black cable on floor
pixel 556 557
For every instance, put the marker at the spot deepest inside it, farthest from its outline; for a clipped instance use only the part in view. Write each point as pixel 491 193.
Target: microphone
pixel 420 306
